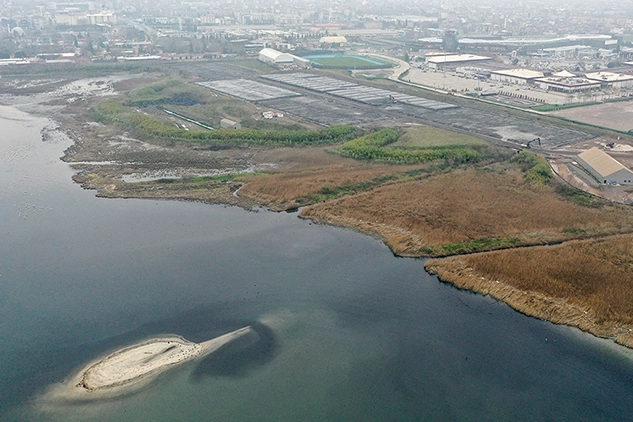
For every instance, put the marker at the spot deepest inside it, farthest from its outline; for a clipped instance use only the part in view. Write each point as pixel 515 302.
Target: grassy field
pixel 588 284
pixel 430 137
pixel 470 210
pixel 348 62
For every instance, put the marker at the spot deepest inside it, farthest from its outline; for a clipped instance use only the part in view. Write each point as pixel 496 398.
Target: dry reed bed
pixel 280 191
pixel 586 284
pixel 420 218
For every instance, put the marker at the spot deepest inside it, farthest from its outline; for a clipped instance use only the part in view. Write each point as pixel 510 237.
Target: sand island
pixel 149 358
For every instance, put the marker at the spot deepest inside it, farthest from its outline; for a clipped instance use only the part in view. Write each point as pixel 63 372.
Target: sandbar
pixel 147 359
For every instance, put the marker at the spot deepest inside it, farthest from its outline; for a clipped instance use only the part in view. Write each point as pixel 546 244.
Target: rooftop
pixel 519 73
pixel 609 76
pixel 601 162
pixel 454 58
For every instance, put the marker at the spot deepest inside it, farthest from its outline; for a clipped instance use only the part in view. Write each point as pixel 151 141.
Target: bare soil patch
pixel 617 115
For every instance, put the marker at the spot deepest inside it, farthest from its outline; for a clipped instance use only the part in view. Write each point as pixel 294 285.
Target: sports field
pixel 346 62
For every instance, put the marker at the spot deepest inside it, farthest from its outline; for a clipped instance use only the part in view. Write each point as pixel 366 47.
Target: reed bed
pixel 284 190
pixel 469 210
pixel 587 284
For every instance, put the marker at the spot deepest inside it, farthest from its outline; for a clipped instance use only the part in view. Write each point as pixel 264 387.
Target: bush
pixel 536 169
pixel 373 147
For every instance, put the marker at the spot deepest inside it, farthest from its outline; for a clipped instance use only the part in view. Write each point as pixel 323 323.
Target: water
pixel 346 330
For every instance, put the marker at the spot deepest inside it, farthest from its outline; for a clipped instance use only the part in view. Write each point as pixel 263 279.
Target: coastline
pixel 400 242
pixel 529 303
pixel 533 304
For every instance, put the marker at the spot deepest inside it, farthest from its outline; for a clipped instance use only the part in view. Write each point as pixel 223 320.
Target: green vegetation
pixel 347 62
pixel 536 169
pixel 172 91
pixel 431 137
pixel 374 147
pixel 111 111
pixel 92 69
pixel 480 244
pixel 224 177
pixel 579 197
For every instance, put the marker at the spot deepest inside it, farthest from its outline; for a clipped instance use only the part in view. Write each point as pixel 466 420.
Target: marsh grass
pixel 588 283
pixel 467 211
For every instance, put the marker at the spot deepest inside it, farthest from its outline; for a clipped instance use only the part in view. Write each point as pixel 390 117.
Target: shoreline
pixel 529 303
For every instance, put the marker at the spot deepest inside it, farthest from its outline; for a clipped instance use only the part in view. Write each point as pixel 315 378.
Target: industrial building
pixel 437 61
pixel 515 76
pixel 278 59
pixel 610 79
pixel 274 57
pixel 566 82
pixel 334 40
pixel 229 124
pixel 606 169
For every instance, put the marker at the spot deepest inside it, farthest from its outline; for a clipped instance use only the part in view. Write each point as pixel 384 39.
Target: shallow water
pixel 347 331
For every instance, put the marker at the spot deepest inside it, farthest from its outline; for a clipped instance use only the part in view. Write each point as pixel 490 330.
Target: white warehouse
pixel 605 168
pixel 274 57
pixel 515 76
pixel 278 59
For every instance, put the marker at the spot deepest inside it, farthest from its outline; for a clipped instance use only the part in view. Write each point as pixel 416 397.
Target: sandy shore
pixel 127 370
pixel 149 358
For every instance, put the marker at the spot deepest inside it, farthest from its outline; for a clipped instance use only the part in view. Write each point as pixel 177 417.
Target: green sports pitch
pixel 346 62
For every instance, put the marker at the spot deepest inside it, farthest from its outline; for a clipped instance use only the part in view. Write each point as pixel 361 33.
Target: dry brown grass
pixel 307 171
pixel 587 284
pixel 433 217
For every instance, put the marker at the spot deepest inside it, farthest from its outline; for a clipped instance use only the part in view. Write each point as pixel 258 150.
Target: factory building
pixel 610 79
pixel 606 169
pixel 566 82
pixel 274 57
pixel 229 124
pixel 515 76
pixel 337 41
pixel 440 61
pixel 278 59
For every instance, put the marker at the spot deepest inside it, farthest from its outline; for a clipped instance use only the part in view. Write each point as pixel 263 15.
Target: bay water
pixel 345 330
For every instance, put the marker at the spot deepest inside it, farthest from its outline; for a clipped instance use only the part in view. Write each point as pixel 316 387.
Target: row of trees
pixel 113 111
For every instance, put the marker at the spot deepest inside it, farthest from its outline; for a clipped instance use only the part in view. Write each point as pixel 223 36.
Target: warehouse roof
pixel 333 40
pixel 601 162
pixel 519 73
pixel 609 77
pixel 276 56
pixel 564 74
pixel 454 58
